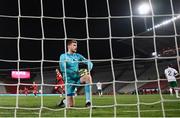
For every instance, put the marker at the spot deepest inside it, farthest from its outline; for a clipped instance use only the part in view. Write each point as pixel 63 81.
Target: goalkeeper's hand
pixel 83 72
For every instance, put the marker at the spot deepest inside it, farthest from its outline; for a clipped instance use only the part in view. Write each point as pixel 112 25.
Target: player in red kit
pixel 26 91
pixel 60 83
pixel 35 88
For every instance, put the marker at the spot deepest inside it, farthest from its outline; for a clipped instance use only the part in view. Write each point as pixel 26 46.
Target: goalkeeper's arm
pixel 87 62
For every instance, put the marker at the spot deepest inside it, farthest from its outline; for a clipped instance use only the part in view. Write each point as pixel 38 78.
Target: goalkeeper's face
pixel 72 47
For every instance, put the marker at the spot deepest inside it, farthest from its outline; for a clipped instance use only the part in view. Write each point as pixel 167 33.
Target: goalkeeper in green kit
pixel 72 74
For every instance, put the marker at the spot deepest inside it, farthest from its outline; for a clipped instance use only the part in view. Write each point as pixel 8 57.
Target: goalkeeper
pixel 69 66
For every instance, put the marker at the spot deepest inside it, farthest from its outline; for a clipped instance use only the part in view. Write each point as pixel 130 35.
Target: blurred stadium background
pixel 120 42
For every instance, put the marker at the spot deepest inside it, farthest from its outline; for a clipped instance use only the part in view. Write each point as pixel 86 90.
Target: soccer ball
pixel 40 91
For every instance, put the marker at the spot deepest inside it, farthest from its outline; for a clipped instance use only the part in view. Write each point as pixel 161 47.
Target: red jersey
pixel 59 76
pixel 60 82
pixel 35 88
pixel 26 90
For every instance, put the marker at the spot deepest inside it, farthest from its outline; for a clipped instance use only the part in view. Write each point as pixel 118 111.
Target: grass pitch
pixel 105 106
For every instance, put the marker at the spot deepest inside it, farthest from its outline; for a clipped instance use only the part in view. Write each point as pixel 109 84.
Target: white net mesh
pixel 129 50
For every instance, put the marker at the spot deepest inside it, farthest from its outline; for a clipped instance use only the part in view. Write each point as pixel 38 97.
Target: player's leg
pixel 101 92
pixel 70 100
pixel 26 93
pixel 177 92
pixel 87 80
pixel 63 89
pixel 61 85
pixel 59 89
pixel 174 85
pixel 70 94
pixel 171 88
pixel 35 93
pixel 171 91
pixel 60 92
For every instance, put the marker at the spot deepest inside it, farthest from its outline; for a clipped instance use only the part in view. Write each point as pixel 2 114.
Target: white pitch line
pixel 154 110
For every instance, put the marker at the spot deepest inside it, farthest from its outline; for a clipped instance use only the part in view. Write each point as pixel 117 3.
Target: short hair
pixel 170 65
pixel 70 41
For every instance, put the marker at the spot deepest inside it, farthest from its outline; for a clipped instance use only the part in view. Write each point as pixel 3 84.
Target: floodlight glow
pixel 164 23
pixel 149 29
pixel 144 9
pixel 154 53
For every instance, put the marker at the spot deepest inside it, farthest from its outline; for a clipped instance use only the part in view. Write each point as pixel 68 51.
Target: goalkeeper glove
pixel 83 72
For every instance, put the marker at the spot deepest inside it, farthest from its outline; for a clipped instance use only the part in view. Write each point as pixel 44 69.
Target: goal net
pixel 130 43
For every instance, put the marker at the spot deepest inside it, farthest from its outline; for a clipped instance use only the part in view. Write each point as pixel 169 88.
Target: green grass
pixel 126 106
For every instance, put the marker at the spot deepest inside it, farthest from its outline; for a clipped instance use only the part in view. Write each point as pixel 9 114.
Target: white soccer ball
pixel 40 91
